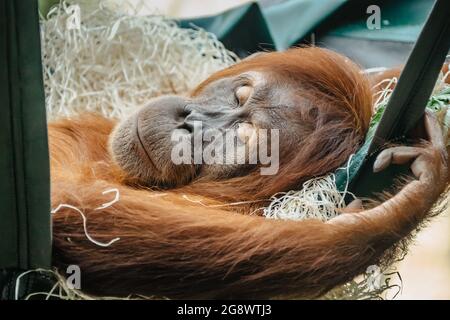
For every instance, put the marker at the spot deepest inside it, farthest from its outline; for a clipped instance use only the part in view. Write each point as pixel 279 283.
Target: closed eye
pixel 242 94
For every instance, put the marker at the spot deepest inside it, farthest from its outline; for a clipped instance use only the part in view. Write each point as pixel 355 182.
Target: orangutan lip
pixel 143 146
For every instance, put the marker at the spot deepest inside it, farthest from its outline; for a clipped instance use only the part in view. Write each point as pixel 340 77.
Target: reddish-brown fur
pixel 171 246
pixel 337 88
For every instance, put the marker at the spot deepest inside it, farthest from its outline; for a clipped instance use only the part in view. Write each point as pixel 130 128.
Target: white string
pixel 73 21
pixel 319 198
pixel 103 206
pixel 184 196
pixel 374 70
pixel 98 243
pixel 347 182
pixel 384 95
pixel 62 291
pixel 108 204
pixel 17 287
pixel 446 75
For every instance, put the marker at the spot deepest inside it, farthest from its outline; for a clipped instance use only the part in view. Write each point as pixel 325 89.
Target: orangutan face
pixel 240 120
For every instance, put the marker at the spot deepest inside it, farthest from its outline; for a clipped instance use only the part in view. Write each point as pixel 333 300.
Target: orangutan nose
pixel 210 117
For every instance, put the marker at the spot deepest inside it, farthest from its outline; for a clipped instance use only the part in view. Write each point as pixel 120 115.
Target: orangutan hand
pixel 429 160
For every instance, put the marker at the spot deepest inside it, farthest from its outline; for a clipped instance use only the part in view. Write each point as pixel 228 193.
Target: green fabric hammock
pixel 24 163
pixel 25 226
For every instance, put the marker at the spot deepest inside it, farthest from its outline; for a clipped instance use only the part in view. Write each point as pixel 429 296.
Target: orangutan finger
pixel 395 155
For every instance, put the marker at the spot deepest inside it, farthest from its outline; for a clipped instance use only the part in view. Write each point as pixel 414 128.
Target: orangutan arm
pixel 171 248
pixel 429 166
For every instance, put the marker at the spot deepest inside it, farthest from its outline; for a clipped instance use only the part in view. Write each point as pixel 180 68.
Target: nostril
pixel 183 113
pixel 186 126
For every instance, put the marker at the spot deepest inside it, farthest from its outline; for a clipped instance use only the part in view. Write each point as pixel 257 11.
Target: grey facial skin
pixel 142 143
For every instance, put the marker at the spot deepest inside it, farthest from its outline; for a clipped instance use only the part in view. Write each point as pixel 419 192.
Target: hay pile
pixel 107 58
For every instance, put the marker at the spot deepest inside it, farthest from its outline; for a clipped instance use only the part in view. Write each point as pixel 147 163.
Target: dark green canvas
pixel 25 227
